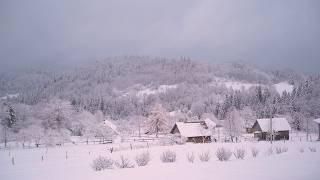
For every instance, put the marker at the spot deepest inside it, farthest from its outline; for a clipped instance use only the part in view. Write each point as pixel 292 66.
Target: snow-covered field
pixel 282 87
pixel 291 165
pixel 160 89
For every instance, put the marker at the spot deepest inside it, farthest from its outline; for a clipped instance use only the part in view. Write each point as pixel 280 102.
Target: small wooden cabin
pixel 264 129
pixel 195 131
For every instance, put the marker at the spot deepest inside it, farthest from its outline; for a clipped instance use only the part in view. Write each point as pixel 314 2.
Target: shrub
pixel 124 163
pixel 223 154
pixel 190 157
pixel 301 150
pixel 168 156
pixel 269 151
pixel 313 149
pixel 102 163
pixel 143 159
pixel 254 152
pixel 280 150
pixel 204 156
pixel 239 153
pixel 178 140
pixel 284 149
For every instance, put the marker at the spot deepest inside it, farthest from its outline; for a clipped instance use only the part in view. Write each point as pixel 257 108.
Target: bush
pixel 269 151
pixel 223 154
pixel 178 140
pixel 313 149
pixel 190 157
pixel 204 156
pixel 280 150
pixel 102 163
pixel 168 156
pixel 124 163
pixel 239 153
pixel 254 152
pixel 284 149
pixel 166 142
pixel 301 150
pixel 143 159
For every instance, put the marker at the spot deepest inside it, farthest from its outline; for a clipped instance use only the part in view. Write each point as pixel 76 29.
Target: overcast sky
pixel 270 33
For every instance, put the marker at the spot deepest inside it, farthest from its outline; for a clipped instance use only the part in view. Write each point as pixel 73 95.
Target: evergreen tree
pixel 10 119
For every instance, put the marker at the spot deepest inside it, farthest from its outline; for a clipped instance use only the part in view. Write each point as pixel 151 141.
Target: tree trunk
pixel 319 132
pixel 5 137
pixel 157 131
pixel 139 129
pixel 307 129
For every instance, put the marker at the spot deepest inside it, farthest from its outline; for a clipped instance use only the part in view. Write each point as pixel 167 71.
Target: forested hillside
pixel 75 101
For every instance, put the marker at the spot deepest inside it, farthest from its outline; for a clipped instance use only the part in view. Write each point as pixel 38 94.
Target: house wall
pixel 278 135
pixel 175 130
pixel 255 127
pixel 199 139
pixel 282 135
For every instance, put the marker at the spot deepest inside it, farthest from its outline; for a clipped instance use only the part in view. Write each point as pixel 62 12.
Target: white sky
pixel 273 33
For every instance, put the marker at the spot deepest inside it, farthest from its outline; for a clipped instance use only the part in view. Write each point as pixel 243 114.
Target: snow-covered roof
pixel 210 123
pixel 317 121
pixel 278 124
pixel 192 129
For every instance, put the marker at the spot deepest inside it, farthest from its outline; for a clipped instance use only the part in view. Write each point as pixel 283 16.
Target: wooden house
pixel 275 128
pixel 195 131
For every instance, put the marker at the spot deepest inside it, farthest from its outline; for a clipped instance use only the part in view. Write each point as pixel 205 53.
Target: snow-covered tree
pixel 9 120
pixel 57 114
pixel 198 109
pixel 234 124
pixel 157 120
pixel 32 134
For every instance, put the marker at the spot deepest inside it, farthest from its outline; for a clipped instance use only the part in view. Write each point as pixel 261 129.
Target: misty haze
pixel 185 89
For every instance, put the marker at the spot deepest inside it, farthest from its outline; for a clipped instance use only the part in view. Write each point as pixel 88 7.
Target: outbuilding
pixel 275 128
pixel 195 131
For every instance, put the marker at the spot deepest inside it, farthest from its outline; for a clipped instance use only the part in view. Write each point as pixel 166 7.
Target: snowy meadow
pixel 280 160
